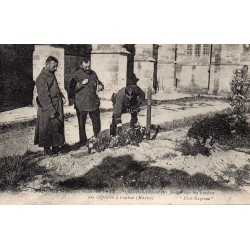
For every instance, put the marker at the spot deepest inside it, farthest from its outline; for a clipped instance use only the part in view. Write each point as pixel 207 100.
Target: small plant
pixel 189 147
pixel 131 136
pixel 239 86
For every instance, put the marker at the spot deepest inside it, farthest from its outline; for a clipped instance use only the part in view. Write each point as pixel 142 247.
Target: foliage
pixel 131 136
pixel 220 128
pixel 239 86
pixel 14 170
pixel 189 148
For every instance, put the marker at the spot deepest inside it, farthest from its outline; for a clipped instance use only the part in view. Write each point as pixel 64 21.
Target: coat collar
pixel 47 73
pixel 90 73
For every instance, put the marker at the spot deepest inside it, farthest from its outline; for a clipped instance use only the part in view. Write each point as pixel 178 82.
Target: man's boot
pixel 55 150
pixel 47 151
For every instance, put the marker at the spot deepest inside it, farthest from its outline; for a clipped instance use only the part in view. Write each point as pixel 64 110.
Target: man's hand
pixel 85 81
pixel 100 87
pixel 55 115
pixel 134 109
pixel 119 128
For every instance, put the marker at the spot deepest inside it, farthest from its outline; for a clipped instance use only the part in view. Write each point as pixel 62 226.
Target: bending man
pixel 126 100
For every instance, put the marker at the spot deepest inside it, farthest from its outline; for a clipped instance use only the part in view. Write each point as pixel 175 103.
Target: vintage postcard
pixel 125 124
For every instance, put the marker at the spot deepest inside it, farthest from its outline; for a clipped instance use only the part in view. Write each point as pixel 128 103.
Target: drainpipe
pixel 155 56
pixel 209 70
pixel 175 65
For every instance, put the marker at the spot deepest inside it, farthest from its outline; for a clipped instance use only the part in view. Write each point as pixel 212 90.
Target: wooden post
pixel 149 103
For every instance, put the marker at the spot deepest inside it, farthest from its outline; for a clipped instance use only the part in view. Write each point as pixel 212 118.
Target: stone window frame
pixel 189 49
pixel 206 49
pixel 198 50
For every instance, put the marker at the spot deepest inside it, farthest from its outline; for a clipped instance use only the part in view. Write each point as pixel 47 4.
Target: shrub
pixel 188 148
pixel 221 128
pixel 217 127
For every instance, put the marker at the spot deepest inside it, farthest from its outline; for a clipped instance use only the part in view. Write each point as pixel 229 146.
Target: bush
pixel 217 127
pixel 188 148
pixel 221 128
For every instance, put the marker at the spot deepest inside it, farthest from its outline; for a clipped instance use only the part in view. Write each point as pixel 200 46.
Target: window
pixel 189 49
pixel 206 49
pixel 197 50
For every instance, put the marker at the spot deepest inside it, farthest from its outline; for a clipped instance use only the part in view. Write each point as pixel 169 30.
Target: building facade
pixel 167 68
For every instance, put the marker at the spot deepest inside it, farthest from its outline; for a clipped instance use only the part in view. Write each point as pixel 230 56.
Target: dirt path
pixel 17 142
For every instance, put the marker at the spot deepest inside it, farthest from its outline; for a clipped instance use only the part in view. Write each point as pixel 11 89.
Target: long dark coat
pixel 49 131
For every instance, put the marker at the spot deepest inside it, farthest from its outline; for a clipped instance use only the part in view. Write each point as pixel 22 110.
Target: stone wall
pixel 196 69
pixel 192 68
pixel 166 74
pixel 109 61
pixel 225 59
pixel 144 65
pixel 41 53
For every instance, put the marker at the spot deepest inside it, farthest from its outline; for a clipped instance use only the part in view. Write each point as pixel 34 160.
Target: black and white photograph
pixel 125 123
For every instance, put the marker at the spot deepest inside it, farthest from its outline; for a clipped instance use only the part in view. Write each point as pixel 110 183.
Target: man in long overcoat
pixel 50 118
pixel 84 83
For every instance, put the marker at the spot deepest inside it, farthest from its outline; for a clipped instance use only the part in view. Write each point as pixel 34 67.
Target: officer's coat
pixel 49 131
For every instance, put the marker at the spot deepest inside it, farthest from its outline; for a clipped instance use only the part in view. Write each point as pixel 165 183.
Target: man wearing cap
pixel 126 100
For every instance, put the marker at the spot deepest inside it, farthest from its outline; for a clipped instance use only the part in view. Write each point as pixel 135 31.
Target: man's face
pixel 86 66
pixel 52 66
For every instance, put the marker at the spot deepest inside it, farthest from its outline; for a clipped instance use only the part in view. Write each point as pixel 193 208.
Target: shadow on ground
pixel 116 173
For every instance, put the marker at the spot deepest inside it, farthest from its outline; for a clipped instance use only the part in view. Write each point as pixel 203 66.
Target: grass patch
pixel 239 176
pixel 15 170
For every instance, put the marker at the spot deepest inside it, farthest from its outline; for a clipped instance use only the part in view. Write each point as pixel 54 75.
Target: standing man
pixel 126 100
pixel 85 83
pixel 50 118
